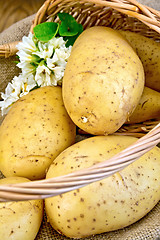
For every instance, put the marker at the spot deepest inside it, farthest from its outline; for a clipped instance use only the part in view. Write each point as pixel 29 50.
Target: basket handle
pixel 54 186
pixel 8 49
pixel 132 8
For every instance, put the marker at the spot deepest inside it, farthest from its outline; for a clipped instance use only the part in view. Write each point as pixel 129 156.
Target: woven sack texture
pixel 151 3
pixel 146 228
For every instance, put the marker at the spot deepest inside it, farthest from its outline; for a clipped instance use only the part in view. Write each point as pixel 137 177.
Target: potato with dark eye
pixel 103 81
pixel 36 129
pixel 110 204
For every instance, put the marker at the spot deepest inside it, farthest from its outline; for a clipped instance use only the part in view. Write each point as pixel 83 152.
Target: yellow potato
pixel 109 204
pixel 147 108
pixel 103 81
pixel 20 220
pixel 149 52
pixel 34 132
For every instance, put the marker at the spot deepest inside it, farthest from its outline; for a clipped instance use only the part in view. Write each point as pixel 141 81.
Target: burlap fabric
pixel 151 3
pixel 146 228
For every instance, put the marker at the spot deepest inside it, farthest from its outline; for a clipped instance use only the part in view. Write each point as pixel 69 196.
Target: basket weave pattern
pixel 93 12
pixel 118 14
pixel 59 185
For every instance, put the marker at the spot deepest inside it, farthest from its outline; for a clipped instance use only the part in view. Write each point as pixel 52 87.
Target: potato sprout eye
pixel 84 119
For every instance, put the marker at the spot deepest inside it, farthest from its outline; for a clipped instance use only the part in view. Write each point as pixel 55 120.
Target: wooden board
pixel 12 11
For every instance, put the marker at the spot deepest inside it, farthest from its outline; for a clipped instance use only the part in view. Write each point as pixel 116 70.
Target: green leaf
pixel 69 29
pixel 65 30
pixel 158 145
pixel 46 31
pixel 70 40
pixel 68 26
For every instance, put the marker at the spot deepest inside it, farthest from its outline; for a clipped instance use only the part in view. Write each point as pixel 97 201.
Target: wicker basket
pixel 117 14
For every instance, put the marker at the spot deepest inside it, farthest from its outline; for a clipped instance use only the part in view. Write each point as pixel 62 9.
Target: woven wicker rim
pixel 132 8
pixel 54 186
pixel 149 16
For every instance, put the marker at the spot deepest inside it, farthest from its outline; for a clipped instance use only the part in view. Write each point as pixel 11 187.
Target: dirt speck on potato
pixel 107 205
pixel 36 136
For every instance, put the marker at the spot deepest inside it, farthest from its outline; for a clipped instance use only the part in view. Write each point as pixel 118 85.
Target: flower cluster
pixel 41 64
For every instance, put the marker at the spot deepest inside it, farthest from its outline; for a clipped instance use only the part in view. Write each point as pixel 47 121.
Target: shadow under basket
pixel 117 14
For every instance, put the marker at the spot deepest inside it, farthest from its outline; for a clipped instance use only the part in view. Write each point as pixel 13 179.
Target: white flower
pixel 28 84
pixel 8 91
pixel 59 72
pixel 54 54
pixel 44 51
pixel 42 76
pixel 19 87
pixel 57 42
pixel 42 64
pixel 14 88
pixel 24 56
pixel 27 68
pixel 26 48
pixel 59 58
pixel 25 53
pixel 6 105
pixel 27 44
pixel 10 96
pixel 58 63
pixel 63 53
pixel 51 62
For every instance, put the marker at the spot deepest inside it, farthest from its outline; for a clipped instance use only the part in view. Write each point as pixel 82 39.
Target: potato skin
pixel 103 81
pixel 20 220
pixel 109 204
pixel 36 129
pixel 147 108
pixel 149 52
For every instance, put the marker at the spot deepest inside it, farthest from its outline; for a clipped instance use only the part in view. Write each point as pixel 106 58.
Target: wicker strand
pixel 83 10
pixel 130 5
pixel 40 14
pixel 144 9
pixel 59 185
pixel 8 49
pixel 137 130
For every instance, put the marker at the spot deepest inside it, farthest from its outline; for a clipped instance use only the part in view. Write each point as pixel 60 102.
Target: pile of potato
pixel 111 78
